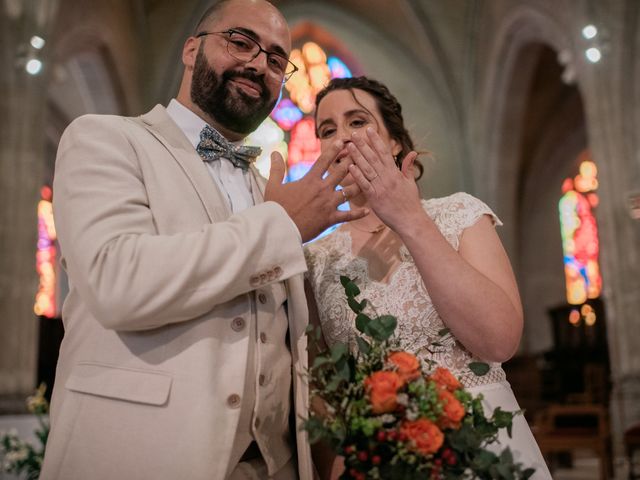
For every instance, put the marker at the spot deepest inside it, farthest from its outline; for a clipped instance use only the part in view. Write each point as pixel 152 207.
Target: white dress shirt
pixel 234 183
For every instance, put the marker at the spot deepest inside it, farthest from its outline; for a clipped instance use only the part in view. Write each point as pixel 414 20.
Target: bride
pixel 434 264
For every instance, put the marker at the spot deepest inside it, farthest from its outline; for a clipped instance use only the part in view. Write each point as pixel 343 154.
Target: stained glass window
pixel 291 127
pixel 579 231
pixel 45 304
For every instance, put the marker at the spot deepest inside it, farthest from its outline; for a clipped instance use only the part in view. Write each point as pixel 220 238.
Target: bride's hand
pixel 391 193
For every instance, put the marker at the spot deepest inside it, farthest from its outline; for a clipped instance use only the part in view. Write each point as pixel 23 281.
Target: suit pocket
pixel 139 386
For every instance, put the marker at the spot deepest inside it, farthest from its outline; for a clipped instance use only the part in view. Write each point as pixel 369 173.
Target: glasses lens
pixel 242 47
pixel 245 48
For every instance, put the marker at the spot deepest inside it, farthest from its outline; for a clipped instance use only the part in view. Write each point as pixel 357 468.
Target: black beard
pixel 230 107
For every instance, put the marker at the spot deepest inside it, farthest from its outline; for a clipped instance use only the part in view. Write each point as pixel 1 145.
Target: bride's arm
pixel 473 289
pixel 328 464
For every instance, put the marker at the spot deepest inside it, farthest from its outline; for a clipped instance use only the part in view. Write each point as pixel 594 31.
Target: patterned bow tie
pixel 214 146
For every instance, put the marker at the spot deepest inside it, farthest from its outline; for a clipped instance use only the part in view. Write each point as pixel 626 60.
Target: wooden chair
pixel 631 446
pixel 564 428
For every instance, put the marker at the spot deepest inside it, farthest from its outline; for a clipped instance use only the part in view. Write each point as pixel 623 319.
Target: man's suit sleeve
pixel 133 278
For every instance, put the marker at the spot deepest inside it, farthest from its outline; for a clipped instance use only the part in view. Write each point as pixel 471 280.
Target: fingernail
pixel 369 130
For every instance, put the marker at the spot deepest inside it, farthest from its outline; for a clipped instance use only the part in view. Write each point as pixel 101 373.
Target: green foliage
pixel 22 458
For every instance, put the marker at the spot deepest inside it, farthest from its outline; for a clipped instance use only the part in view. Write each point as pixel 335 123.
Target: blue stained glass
pixel 297 171
pixel 338 68
pixel 286 114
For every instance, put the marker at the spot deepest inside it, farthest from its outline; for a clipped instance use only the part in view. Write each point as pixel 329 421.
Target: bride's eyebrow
pixel 348 113
pixel 327 121
pixel 356 111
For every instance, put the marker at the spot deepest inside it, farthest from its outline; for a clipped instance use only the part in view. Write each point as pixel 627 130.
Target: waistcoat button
pixel 233 400
pixel 237 324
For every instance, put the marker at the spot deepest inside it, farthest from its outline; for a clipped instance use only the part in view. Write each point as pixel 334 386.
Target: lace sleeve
pixel 457 212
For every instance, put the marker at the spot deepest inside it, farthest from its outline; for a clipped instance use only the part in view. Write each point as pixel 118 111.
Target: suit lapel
pixel 164 129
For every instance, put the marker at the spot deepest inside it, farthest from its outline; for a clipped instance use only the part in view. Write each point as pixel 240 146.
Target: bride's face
pixel 342 112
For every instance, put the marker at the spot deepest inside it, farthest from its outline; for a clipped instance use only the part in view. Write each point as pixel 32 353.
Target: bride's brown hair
pixel 388 105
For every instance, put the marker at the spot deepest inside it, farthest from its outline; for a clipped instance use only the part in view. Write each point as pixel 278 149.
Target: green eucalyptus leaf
pixel 362 321
pixel 351 289
pixel 321 360
pixel 333 385
pixel 479 368
pixel 381 328
pixel 344 280
pixel 505 471
pixel 338 351
pixel 506 456
pixel 501 418
pixel 363 345
pixel 343 371
pixel 354 305
pixel 484 459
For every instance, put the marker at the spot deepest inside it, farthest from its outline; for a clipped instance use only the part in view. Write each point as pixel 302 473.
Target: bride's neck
pixel 371 222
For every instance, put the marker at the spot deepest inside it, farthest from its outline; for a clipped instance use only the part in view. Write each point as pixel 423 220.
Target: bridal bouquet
pixel 391 417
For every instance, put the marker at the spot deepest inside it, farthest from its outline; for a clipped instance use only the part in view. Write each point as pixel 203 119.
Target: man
pixel 186 312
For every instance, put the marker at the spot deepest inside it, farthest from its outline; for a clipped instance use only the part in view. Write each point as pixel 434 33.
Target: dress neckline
pixel 344 236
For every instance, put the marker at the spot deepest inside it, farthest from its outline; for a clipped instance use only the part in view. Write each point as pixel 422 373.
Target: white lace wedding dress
pixel 395 287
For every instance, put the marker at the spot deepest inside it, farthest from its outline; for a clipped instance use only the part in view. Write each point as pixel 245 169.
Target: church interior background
pixel 531 105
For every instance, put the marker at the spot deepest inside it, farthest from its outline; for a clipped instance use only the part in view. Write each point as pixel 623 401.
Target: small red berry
pixel 360 476
pixel 353 472
pixel 452 460
pixel 437 462
pixel 349 449
pixel 381 436
pixel 402 437
pixel 392 435
pixel 376 459
pixel 363 456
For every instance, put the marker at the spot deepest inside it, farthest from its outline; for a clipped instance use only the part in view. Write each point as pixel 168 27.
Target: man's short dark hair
pixel 209 14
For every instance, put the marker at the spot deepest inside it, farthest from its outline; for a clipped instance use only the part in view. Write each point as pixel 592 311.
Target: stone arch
pixel 511 61
pixel 534 127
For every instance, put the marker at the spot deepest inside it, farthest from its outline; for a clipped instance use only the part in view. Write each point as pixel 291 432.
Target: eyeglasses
pixel 244 48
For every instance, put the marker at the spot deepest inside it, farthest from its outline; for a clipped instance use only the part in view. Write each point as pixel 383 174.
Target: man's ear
pixel 190 51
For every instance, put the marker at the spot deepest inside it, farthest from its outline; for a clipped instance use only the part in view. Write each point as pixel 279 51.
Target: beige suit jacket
pixel 162 279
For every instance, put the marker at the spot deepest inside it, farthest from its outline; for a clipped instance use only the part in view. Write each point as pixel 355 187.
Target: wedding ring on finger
pixel 373 178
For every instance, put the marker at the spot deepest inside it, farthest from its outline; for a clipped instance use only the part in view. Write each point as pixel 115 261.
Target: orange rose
pixel 424 436
pixel 407 365
pixel 383 388
pixel 452 410
pixel 445 379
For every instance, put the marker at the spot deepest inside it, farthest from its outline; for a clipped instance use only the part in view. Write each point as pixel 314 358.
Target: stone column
pixel 22 107
pixel 613 117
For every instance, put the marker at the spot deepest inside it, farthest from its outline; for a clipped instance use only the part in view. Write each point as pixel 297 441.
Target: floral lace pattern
pixel 403 295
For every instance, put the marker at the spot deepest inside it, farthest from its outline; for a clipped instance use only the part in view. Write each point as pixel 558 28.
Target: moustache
pixel 255 78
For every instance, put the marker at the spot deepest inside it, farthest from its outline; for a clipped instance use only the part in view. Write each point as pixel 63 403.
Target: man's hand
pixel 312 202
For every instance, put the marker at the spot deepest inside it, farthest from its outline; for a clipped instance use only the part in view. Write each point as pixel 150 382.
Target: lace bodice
pixel 402 295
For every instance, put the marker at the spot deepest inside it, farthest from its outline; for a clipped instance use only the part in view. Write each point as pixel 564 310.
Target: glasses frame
pixel 231 31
